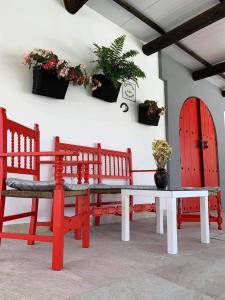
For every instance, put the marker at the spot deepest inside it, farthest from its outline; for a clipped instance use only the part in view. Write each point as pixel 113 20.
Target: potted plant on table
pixel 162 152
pixel 51 75
pixel 114 67
pixel 149 113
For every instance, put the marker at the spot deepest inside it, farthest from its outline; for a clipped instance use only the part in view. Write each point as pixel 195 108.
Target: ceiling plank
pixel 72 6
pixel 160 30
pixel 139 15
pixel 208 72
pixel 195 24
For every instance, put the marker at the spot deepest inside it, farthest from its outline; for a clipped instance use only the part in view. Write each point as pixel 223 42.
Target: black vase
pixel 107 91
pixel 47 84
pixel 147 118
pixel 161 178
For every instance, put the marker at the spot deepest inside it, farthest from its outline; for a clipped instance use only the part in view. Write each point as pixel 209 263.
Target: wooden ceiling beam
pixel 208 72
pixel 206 18
pixel 72 6
pixel 160 30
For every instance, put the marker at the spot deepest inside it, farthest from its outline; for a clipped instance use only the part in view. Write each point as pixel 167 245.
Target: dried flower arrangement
pixel 153 108
pixel 162 152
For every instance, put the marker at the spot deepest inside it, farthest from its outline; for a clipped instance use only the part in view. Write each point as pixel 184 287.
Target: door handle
pixel 205 145
pixel 199 143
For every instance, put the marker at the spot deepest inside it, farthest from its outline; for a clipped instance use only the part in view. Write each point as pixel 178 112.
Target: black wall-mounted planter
pixel 72 6
pixel 47 84
pixel 107 91
pixel 147 118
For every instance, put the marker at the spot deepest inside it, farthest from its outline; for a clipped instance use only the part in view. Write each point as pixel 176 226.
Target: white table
pixel 169 197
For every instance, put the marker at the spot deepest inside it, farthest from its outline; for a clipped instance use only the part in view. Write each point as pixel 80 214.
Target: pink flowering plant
pixel 47 60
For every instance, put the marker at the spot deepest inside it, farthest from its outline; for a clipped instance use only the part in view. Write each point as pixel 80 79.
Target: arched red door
pixel 198 154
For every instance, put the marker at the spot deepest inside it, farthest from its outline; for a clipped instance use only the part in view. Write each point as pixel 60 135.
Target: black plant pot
pixel 72 6
pixel 107 91
pixel 147 118
pixel 47 84
pixel 161 178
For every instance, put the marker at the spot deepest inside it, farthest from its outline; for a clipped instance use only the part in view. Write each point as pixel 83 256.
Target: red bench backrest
pixel 15 137
pixel 85 154
pixel 114 164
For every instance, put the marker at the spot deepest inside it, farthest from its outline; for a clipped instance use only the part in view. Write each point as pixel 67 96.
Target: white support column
pixel 171 225
pixel 159 215
pixel 125 218
pixel 204 213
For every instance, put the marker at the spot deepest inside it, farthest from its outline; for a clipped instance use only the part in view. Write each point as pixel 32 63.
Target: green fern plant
pixel 115 65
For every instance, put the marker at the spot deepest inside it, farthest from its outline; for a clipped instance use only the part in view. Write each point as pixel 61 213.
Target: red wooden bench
pixel 20 154
pixel 112 165
pixel 108 165
pixel 183 217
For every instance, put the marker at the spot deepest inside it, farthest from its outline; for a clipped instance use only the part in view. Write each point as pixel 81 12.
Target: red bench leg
pixel 78 211
pixel 97 219
pixel 2 210
pixel 33 220
pixel 58 230
pixel 86 221
pixel 219 212
pixel 179 221
pixel 51 226
pixel 131 205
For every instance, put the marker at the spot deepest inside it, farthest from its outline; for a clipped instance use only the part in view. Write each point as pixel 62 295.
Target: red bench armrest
pixel 47 153
pixel 142 171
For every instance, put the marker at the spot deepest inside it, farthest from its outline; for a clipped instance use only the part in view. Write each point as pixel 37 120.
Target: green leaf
pixel 116 65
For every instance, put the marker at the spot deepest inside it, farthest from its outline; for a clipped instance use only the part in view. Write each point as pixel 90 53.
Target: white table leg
pixel 125 218
pixel 171 225
pixel 204 213
pixel 159 216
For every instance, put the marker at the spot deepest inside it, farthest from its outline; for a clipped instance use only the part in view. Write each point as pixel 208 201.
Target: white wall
pixel 80 118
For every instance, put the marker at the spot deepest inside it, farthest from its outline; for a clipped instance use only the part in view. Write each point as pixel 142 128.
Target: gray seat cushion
pixel 30 185
pixel 75 187
pixel 100 186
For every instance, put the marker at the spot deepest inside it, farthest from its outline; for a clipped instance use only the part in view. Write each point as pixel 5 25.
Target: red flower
pixel 81 80
pixel 45 66
pixel 73 75
pixel 52 63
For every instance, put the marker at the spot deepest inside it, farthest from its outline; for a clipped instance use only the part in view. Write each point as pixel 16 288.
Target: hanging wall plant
pixel 51 75
pixel 149 113
pixel 114 67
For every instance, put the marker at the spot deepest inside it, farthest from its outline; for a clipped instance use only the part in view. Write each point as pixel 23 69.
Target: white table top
pixel 175 192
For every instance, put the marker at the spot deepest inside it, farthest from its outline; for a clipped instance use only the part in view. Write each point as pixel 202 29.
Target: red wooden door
pixel 209 151
pixel 191 165
pixel 198 151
